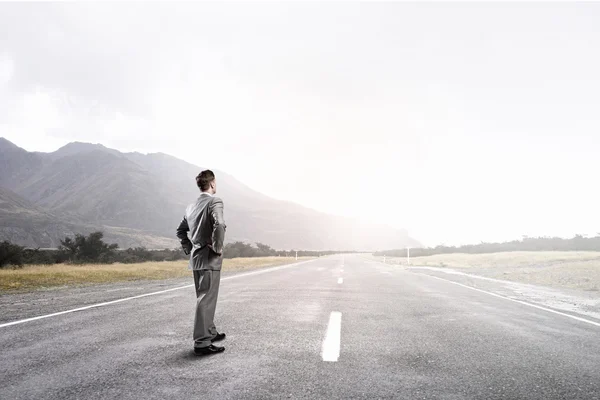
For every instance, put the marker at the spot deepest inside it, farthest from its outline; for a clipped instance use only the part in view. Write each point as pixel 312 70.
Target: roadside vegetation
pixel 577 243
pixel 83 260
pixel 33 277
pixel 560 269
pixel 92 249
pixel 548 261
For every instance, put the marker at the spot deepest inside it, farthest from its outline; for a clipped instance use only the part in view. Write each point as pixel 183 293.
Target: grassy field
pixel 568 269
pixel 44 276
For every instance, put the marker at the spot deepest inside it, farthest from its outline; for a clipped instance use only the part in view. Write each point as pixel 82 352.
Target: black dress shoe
pixel 220 336
pixel 204 351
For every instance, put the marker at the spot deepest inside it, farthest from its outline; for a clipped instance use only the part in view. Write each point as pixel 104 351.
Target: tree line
pixel 82 249
pixel 241 249
pixel 92 249
pixel 542 243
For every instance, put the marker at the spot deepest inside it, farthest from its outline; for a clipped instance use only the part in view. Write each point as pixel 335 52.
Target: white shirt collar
pixel 206 193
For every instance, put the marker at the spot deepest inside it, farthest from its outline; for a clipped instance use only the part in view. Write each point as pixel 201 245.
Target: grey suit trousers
pixel 207 290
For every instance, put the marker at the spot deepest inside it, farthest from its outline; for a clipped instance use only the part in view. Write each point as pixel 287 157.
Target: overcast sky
pixel 460 122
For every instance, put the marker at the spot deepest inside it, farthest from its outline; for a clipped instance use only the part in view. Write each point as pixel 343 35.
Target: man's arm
pixel 182 231
pixel 218 234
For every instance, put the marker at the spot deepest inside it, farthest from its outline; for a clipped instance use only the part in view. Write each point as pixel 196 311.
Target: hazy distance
pixel 459 122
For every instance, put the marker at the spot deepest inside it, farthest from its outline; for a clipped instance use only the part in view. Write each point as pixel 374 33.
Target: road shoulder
pixel 570 301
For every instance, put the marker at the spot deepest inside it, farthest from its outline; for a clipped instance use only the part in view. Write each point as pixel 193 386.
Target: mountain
pixel 24 223
pixel 16 164
pixel 139 199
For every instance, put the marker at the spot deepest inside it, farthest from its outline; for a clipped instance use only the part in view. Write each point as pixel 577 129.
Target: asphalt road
pixel 401 335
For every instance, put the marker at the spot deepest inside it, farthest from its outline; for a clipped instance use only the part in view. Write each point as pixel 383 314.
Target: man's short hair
pixel 204 179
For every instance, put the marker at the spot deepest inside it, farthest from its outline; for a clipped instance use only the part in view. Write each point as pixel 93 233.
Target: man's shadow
pixel 188 356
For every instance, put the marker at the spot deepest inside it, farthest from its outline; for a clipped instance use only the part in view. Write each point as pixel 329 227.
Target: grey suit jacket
pixel 204 219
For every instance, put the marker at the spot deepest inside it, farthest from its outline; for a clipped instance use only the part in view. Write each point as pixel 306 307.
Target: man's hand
pixel 187 247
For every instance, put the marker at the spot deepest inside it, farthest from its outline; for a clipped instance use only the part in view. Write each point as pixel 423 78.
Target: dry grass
pixel 562 269
pixel 44 276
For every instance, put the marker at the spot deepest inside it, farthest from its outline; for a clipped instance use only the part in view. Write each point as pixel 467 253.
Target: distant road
pixel 337 327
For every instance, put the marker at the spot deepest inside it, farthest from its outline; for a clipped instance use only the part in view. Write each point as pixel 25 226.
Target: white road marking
pixel 454 272
pixel 519 301
pixel 118 289
pixel 145 295
pixel 340 280
pixel 91 306
pixel 331 345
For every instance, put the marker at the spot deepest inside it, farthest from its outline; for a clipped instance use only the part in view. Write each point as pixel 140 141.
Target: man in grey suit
pixel 204 219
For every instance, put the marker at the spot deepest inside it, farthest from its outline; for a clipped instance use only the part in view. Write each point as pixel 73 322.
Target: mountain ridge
pixel 84 184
